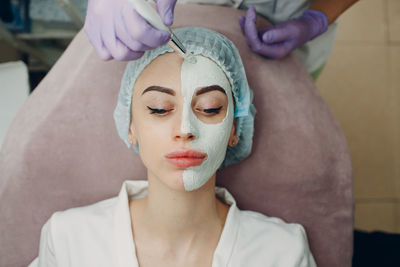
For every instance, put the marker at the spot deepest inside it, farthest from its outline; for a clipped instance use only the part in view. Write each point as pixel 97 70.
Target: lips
pixel 185 158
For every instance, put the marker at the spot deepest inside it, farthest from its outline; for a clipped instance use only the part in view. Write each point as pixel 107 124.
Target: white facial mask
pixel 209 138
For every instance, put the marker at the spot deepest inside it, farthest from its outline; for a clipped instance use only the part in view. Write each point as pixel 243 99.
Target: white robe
pixel 100 235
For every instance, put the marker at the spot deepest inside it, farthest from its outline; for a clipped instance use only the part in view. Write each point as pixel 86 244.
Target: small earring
pixel 130 141
pixel 235 141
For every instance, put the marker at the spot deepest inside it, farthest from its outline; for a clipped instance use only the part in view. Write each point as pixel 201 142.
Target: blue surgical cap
pixel 221 50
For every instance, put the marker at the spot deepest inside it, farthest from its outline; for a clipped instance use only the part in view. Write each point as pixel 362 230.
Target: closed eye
pixel 213 110
pixel 157 111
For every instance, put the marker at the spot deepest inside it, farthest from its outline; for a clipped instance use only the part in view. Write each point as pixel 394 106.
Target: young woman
pixel 186 118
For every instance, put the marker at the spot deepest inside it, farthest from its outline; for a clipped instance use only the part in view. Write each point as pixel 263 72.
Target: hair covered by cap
pixel 211 44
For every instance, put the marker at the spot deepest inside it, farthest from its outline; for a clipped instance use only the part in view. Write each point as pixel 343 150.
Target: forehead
pixel 167 70
pixel 204 72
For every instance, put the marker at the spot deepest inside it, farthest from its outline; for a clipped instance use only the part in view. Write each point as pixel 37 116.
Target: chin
pixel 177 186
pixel 173 180
pixel 176 181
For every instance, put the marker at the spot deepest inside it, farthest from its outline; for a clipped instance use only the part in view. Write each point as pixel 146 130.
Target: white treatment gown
pixel 312 54
pixel 100 235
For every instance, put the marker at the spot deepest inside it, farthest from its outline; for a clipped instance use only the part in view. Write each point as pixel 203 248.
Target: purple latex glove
pixel 117 31
pixel 279 40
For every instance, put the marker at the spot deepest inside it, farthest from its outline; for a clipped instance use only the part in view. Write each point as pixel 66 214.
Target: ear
pixel 233 139
pixel 132 139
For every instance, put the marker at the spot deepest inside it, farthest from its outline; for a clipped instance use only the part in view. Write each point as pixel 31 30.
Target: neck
pixel 179 218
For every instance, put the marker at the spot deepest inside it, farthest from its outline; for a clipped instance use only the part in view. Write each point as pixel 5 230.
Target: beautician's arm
pixel 279 40
pixel 332 8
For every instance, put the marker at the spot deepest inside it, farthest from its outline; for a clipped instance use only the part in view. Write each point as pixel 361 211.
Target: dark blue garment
pixel 6 14
pixel 376 249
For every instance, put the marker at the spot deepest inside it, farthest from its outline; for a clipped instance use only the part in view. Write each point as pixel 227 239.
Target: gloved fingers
pixel 166 10
pixel 254 39
pixel 124 36
pixel 277 50
pixel 242 21
pixel 277 34
pixel 114 46
pixel 141 31
pixel 123 53
pixel 251 32
pixel 95 39
pixel 133 55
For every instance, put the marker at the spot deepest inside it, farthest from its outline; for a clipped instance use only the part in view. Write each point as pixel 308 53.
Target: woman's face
pixel 182 119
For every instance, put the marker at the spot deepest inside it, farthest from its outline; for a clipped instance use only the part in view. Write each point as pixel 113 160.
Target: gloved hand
pixel 279 40
pixel 117 31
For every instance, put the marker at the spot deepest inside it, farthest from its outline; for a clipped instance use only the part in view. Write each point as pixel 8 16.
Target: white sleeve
pixel 46 256
pixel 34 263
pixel 306 259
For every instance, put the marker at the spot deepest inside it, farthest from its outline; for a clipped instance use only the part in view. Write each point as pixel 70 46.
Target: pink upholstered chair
pixel 63 150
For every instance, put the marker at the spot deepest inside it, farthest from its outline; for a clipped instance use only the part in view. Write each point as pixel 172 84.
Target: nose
pixel 183 130
pixel 185 127
pixel 184 136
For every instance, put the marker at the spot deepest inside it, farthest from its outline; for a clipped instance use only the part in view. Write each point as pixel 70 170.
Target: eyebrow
pixel 172 92
pixel 159 89
pixel 210 88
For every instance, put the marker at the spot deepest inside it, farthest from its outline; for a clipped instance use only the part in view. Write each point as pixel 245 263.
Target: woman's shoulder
pixel 98 209
pixel 256 224
pixel 268 225
pixel 78 234
pixel 272 239
pixel 90 218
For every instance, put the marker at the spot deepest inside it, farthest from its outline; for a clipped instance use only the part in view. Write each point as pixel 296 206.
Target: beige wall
pixel 361 83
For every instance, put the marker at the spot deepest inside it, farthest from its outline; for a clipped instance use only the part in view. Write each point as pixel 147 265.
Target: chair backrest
pixel 63 150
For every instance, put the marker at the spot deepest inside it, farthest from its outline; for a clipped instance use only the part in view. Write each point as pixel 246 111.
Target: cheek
pixel 147 133
pixel 152 135
pixel 146 126
pixel 151 149
pixel 214 135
